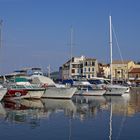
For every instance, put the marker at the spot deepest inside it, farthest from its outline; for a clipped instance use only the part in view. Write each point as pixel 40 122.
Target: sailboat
pixel 113 89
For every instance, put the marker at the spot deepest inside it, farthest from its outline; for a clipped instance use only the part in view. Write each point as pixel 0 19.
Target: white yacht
pixel 53 90
pixel 116 90
pixel 111 89
pixel 87 89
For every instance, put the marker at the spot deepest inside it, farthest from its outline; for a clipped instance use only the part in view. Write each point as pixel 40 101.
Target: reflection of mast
pixel 110 121
pixel 70 128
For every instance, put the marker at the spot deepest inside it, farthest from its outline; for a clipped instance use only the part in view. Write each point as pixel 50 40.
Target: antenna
pixel 49 71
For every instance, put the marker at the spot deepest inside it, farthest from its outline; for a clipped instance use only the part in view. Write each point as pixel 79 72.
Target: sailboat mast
pixel 71 47
pixel 110 44
pixel 71 41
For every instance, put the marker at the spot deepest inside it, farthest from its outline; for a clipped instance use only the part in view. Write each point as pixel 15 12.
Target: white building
pixel 79 67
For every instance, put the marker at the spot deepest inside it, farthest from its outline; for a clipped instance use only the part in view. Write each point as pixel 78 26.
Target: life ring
pixel 18 94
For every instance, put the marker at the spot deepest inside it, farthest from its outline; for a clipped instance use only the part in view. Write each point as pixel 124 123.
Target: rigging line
pixel 117 44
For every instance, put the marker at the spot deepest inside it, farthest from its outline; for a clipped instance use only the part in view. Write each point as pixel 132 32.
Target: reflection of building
pixel 79 67
pixel 121 68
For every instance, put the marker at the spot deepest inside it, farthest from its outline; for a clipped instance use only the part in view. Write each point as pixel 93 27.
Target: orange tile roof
pixel 120 62
pixel 135 70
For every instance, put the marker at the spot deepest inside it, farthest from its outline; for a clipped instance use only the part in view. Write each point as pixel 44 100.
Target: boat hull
pixel 116 90
pixel 61 93
pixel 24 93
pixel 35 93
pixel 91 92
pixel 2 93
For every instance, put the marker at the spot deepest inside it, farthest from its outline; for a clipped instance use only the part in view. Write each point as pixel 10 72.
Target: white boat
pixel 32 91
pixel 117 90
pixel 95 92
pixel 87 89
pixel 102 83
pixel 113 89
pixel 53 90
pixel 35 93
pixel 2 92
pixel 62 93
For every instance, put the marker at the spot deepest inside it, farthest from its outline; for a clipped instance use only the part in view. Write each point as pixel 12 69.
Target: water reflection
pixel 23 111
pixel 32 111
pixel 88 106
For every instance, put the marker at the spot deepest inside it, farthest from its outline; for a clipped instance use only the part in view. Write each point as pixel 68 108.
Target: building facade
pixel 106 70
pixel 120 69
pixel 134 75
pixel 79 67
pixel 90 68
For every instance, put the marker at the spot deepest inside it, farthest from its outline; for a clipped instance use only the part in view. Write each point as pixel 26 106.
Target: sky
pixel 36 33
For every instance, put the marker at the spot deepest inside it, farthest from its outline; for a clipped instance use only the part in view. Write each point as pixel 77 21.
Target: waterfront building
pixel 104 70
pixel 90 68
pixel 137 65
pixel 120 69
pixel 79 67
pixel 134 75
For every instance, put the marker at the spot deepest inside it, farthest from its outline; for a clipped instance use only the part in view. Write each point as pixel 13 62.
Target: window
pixel 93 63
pixel 73 71
pixel 88 76
pixel 92 69
pixel 72 59
pixel 89 69
pixel 81 70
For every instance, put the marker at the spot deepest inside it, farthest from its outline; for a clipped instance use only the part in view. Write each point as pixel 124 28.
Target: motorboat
pixel 53 90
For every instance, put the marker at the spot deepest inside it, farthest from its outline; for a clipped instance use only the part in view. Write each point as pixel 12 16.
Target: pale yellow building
pixel 120 69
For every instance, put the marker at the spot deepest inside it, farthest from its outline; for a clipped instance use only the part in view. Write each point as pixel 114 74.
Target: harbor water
pixel 81 118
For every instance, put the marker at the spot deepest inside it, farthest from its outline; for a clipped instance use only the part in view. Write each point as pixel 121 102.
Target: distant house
pixel 134 75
